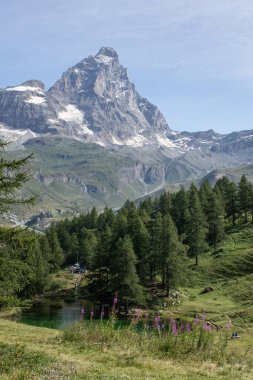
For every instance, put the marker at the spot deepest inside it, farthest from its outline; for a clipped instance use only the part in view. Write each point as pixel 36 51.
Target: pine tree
pixel 141 240
pixel 196 225
pixel 124 277
pixel 12 178
pixel 215 218
pixel 172 258
pixel 245 196
pixel 87 248
pixel 100 277
pixel 57 257
pixel 180 204
pixel 156 230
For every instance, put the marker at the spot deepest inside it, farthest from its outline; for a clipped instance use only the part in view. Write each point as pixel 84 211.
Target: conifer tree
pixel 57 257
pixel 215 218
pixel 180 204
pixel 196 225
pixel 100 278
pixel 140 238
pixel 245 196
pixel 156 230
pixel 172 255
pixel 124 277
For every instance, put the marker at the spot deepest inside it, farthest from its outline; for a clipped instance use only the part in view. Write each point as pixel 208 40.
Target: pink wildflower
pixel 157 322
pixel 207 327
pixel 82 313
pixel 174 328
pixel 188 327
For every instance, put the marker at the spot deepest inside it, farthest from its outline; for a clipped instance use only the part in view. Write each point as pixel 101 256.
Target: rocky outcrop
pixel 87 188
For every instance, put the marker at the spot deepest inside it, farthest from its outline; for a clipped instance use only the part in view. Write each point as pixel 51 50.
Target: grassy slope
pixel 229 272
pixel 226 270
pixel 55 360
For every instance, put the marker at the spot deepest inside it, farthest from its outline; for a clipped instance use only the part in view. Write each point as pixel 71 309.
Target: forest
pixel 156 244
pixel 131 252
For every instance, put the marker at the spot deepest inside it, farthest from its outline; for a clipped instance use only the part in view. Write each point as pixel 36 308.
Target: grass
pixel 50 355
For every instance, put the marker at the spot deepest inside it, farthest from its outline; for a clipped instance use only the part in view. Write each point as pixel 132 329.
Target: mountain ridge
pixel 105 143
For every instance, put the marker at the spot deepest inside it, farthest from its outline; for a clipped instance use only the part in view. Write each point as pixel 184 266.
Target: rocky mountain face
pixel 98 142
pixel 94 101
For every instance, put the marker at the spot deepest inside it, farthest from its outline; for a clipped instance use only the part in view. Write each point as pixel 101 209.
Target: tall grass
pixel 157 342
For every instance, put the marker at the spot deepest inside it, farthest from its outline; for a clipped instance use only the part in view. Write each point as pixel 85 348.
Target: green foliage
pixel 196 226
pixel 24 256
pixel 151 245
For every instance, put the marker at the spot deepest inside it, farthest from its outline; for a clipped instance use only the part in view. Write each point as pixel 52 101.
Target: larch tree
pixel 196 225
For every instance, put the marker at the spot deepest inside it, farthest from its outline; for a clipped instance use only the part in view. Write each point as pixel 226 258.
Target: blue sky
pixel 192 58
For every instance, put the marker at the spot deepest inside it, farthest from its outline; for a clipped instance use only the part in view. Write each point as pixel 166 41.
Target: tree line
pixel 131 250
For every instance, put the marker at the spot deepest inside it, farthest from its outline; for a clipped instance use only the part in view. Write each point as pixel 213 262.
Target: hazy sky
pixel 192 58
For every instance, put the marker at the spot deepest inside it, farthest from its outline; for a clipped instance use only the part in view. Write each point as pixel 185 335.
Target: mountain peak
pixel 108 51
pixel 34 83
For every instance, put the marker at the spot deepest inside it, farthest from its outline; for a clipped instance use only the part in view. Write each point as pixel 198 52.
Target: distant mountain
pixel 98 142
pixel 94 101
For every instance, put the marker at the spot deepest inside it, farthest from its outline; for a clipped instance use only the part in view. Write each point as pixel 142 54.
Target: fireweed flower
pixel 102 313
pixel 82 312
pixel 174 328
pixel 182 327
pixel 203 316
pixel 91 314
pixel 157 322
pixel 228 325
pixel 207 327
pixel 188 327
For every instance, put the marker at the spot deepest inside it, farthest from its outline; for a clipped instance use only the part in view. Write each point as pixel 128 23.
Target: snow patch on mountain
pixel 165 142
pixel 116 141
pixel 100 58
pixel 71 114
pixel 136 140
pixel 36 100
pixel 10 134
pixel 25 88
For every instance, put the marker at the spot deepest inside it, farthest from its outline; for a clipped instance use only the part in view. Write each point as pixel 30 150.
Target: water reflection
pixel 56 313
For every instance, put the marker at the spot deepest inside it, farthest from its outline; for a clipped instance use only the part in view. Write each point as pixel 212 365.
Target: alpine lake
pixel 55 313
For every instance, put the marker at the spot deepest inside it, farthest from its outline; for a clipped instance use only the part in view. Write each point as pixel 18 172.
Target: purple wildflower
pixel 207 327
pixel 91 314
pixel 157 322
pixel 174 329
pixel 82 313
pixel 188 327
pixel 102 313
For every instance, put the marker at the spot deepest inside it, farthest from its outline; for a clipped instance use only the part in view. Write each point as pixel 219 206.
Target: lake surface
pixel 55 313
